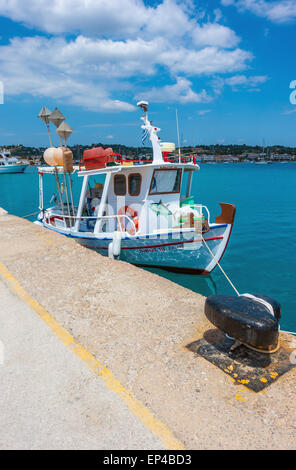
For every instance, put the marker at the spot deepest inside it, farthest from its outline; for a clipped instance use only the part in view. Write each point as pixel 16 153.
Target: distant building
pixel 226 158
pixel 207 158
pixel 252 156
pixel 281 157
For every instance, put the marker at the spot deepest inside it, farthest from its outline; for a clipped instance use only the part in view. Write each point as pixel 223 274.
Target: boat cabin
pixel 139 211
pixel 137 197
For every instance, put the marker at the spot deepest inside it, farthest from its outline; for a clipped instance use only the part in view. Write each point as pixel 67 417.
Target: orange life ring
pixel 130 212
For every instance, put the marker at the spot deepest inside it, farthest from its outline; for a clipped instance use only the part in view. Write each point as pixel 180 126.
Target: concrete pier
pixel 131 329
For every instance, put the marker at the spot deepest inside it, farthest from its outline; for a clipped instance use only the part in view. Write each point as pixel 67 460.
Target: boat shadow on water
pixel 204 285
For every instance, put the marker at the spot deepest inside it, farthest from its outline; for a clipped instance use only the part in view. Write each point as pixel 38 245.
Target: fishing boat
pixel 141 212
pixel 10 164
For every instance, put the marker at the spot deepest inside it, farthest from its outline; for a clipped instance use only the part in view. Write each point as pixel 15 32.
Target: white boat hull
pixel 174 252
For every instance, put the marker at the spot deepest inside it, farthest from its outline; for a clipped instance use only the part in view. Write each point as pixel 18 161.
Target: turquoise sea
pixel 261 255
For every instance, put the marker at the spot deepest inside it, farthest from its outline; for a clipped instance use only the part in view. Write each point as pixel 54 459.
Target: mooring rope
pixel 222 270
pixel 234 288
pixel 29 215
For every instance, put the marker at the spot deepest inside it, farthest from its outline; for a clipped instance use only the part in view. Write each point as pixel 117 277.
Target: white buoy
pixel 110 251
pixel 114 248
pixel 116 243
pixel 49 156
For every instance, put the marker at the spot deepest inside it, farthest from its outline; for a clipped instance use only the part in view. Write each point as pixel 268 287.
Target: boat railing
pixel 167 159
pixel 208 213
pixel 121 160
pixel 199 208
pixel 68 221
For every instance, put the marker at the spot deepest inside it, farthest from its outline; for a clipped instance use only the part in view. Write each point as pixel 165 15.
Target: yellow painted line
pixel 135 406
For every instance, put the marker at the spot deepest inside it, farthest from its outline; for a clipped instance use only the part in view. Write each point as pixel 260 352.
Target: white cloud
pixel 214 34
pixel 169 19
pixel 218 14
pixel 87 71
pixel 120 19
pixel 202 112
pixel 115 43
pixel 40 67
pixel 249 82
pixel 180 92
pixel 237 82
pixel 281 11
pixel 112 18
pixel 289 111
pixel 205 61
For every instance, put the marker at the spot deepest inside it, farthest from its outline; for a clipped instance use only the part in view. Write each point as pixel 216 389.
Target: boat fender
pixel 110 251
pixel 253 320
pixel 116 244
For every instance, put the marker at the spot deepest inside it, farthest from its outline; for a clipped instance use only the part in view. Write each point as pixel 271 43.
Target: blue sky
pixel 226 65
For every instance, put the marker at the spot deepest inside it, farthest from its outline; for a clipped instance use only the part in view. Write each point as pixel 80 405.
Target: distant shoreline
pixel 202 153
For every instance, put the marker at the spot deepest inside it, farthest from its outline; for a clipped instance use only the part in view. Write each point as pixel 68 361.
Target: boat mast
pixel 178 134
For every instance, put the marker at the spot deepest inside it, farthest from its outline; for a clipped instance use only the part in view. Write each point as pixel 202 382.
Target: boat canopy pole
pixel 103 203
pixel 81 202
pixel 41 191
pixel 189 184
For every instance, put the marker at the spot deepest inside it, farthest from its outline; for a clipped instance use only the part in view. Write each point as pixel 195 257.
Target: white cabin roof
pixel 120 168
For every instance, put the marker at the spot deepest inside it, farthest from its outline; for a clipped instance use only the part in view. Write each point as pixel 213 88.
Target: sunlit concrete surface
pixel 138 324
pixel 49 399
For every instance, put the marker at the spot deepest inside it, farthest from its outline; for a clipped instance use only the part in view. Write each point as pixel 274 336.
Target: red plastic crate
pixel 96 158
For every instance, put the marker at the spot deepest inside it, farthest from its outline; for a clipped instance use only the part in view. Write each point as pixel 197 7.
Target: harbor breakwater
pixel 138 326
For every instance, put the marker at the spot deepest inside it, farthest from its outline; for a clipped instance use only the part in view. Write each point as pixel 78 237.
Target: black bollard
pixel 246 319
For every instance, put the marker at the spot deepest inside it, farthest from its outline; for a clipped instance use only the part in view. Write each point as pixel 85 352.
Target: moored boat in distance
pixel 138 214
pixel 10 164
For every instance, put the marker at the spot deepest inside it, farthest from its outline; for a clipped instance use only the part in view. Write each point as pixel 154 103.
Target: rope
pixel 260 301
pixel 29 215
pixel 245 295
pixel 218 264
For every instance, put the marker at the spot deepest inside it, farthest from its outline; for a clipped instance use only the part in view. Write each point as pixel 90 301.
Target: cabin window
pixel 134 184
pixel 119 185
pixel 166 181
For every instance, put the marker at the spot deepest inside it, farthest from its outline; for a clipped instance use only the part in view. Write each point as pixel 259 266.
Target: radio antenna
pixel 178 134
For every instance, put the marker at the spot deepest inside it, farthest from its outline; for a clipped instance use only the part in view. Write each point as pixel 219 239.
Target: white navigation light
pixel 143 105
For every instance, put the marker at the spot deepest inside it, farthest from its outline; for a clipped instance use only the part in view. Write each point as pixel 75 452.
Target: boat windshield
pixel 166 181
